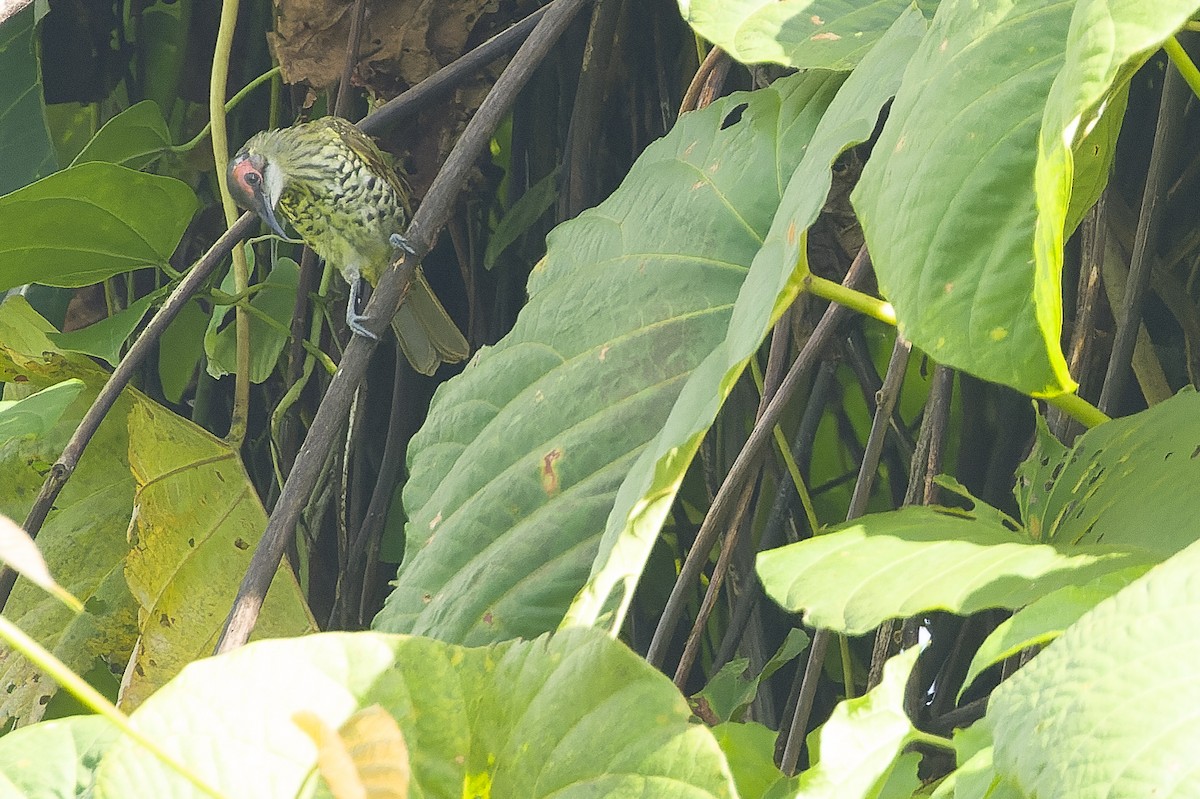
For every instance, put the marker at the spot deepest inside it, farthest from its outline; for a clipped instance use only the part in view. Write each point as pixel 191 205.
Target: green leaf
pixel 88 223
pixel 64 751
pixel 775 279
pixel 106 338
pixel 1111 708
pixel 26 151
pixel 1106 43
pixel 198 521
pixel 180 350
pixel 524 213
pixel 515 470
pixel 806 34
pixel 37 414
pixel 1044 619
pixel 91 516
pixel 917 559
pixel 733 688
pixel 132 138
pixel 975 777
pixel 576 715
pixel 863 739
pixel 269 328
pixel 1129 483
pixel 946 201
pixel 750 751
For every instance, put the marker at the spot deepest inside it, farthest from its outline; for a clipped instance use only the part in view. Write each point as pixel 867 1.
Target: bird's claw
pixel 354 319
pixel 355 323
pixel 400 243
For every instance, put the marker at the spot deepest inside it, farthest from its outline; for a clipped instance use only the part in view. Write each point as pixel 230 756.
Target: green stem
pixel 854 300
pixel 789 461
pixel 1183 63
pixel 229 106
pixel 1079 409
pixel 93 699
pixel 241 271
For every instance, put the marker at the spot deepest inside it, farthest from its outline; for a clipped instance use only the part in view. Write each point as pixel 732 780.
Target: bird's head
pixel 256 181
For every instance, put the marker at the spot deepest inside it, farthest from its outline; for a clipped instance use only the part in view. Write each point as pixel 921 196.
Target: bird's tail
pixel 428 336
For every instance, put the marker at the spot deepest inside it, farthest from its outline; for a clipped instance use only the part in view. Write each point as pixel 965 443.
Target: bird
pixel 329 180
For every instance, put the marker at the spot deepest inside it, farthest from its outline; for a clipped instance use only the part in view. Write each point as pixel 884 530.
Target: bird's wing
pixel 366 149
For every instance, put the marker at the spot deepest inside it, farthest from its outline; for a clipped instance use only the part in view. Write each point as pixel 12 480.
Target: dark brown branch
pixel 887 397
pixel 743 465
pixel 331 415
pixel 446 79
pixel 1129 318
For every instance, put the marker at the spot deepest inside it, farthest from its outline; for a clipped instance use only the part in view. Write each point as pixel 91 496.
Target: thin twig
pixel 926 464
pixel 1170 123
pixel 776 358
pixel 331 415
pixel 887 397
pixel 447 79
pixel 744 464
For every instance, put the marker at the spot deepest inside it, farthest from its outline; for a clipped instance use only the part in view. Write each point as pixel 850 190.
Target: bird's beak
pixel 262 207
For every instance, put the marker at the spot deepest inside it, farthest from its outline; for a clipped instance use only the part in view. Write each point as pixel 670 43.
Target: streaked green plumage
pixel 332 184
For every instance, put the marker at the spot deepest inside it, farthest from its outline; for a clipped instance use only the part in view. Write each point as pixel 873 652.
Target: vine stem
pixel 219 78
pixel 1183 62
pixel 854 300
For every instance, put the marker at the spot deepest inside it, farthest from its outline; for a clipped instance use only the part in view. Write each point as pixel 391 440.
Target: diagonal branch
pixel 331 415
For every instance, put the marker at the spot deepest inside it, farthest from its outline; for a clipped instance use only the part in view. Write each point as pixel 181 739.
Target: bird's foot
pixel 355 322
pixel 354 319
pixel 401 243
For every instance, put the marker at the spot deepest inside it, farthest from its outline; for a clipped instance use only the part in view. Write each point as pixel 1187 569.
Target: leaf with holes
pixel 918 559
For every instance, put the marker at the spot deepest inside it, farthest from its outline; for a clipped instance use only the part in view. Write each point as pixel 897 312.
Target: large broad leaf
pixel 195 517
pixel 88 223
pixel 515 470
pixel 90 516
pixel 826 34
pixel 1129 483
pixel 1002 98
pixel 576 715
pixel 1045 619
pixel 26 151
pixel 1122 498
pixel 1107 40
pixel 775 280
pixel 1112 708
pixel 59 749
pixel 918 559
pixel 198 521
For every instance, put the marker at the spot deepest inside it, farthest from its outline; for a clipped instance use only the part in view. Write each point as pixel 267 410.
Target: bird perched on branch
pixel 329 180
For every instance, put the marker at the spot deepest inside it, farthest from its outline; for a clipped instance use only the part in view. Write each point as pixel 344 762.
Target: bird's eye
pixel 252 178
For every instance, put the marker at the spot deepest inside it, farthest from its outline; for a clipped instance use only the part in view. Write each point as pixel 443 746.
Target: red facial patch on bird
pixel 245 180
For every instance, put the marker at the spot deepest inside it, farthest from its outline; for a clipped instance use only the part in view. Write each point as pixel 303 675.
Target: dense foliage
pixel 797 326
